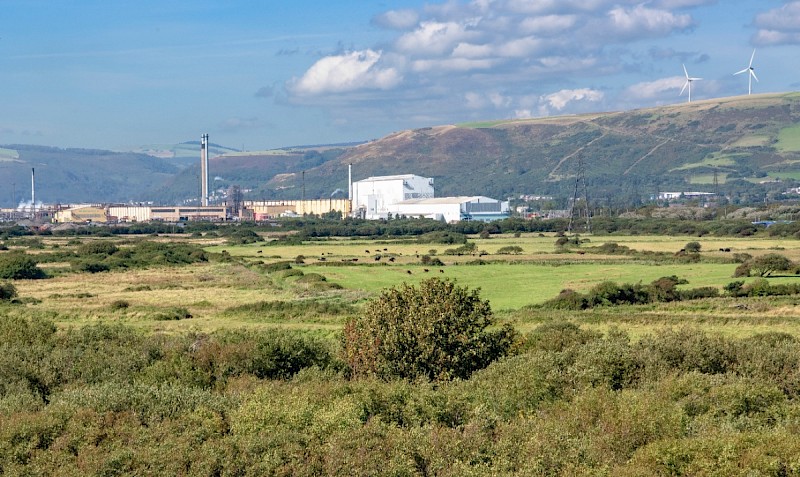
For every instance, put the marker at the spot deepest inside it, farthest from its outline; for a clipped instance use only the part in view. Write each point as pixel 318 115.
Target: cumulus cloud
pixel 778 26
pixel 559 100
pixel 649 90
pixel 641 21
pixel 450 58
pixel 397 19
pixel 346 72
pixel 433 38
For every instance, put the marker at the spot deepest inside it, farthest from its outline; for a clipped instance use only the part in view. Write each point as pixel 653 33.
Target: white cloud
pixel 642 21
pixel 561 99
pixel 451 64
pixel 779 25
pixel 346 72
pixel 433 38
pixel 397 19
pixel 547 24
pixel 520 47
pixel 649 90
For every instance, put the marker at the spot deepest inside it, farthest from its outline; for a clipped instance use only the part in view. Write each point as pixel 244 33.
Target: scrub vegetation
pixel 238 350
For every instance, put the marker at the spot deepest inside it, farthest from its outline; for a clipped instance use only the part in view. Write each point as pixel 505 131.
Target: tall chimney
pixel 33 191
pixel 350 182
pixel 204 170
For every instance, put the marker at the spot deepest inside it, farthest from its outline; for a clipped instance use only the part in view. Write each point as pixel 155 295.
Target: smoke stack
pixel 204 170
pixel 350 182
pixel 33 190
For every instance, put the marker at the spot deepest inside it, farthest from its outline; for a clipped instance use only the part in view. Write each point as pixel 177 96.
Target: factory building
pixel 81 213
pixel 182 214
pixel 373 196
pixel 129 213
pixel 259 210
pixel 453 209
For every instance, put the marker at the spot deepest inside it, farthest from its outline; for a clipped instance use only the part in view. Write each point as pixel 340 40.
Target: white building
pixel 375 196
pixel 453 209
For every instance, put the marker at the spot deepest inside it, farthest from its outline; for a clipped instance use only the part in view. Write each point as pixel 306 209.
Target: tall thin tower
pixel 580 187
pixel 33 192
pixel 204 170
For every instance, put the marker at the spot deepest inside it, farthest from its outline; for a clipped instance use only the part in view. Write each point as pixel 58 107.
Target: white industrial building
pixel 373 196
pixel 453 209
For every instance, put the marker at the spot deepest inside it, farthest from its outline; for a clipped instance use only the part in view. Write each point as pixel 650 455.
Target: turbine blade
pixel 751 58
pixel 743 71
pixel 684 87
pixel 695 79
pixel 754 74
pixel 685 72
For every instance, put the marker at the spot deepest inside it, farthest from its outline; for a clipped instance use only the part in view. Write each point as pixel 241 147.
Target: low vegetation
pixel 325 357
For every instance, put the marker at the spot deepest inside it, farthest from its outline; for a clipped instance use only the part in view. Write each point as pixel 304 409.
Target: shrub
pixel 18 266
pixel 437 331
pixel 692 247
pixel 510 250
pixel 173 314
pixel 7 291
pixel 91 266
pixel 443 237
pixel 119 304
pixel 97 247
pixel 568 299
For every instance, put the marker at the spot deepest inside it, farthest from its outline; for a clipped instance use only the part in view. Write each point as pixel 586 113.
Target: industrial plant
pixel 373 198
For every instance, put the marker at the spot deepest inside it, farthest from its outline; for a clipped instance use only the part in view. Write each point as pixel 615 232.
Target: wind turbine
pixel 688 83
pixel 751 73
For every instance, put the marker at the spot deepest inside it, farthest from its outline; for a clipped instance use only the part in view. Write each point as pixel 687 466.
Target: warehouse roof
pixel 391 178
pixel 448 200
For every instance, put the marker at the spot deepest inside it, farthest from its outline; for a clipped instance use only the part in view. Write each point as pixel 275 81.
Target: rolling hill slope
pixel 743 140
pixel 744 144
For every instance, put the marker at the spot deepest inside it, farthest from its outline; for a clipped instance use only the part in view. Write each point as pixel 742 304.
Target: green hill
pixel 78 175
pixel 746 142
pixel 746 147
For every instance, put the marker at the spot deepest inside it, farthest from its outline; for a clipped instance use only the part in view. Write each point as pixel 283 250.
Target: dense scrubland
pixel 401 348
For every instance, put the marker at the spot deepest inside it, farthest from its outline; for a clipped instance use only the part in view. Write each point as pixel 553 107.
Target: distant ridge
pixel 746 147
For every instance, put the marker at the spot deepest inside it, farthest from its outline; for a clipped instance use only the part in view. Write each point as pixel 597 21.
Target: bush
pixel 510 250
pixel 692 247
pixel 437 331
pixel 18 266
pixel 119 304
pixel 173 314
pixel 7 291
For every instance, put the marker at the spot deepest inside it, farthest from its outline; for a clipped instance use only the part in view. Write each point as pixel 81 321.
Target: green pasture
pixel 795 175
pixel 708 178
pixel 712 160
pixel 789 139
pixel 514 285
pixel 752 141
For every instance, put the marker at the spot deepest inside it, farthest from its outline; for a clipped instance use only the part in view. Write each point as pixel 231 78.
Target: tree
pixel 437 331
pixel 692 247
pixel 765 265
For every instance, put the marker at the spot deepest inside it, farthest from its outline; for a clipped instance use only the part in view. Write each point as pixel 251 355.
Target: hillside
pixel 78 175
pixel 750 145
pixel 746 141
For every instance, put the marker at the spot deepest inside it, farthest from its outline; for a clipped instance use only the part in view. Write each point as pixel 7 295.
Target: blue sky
pixel 264 74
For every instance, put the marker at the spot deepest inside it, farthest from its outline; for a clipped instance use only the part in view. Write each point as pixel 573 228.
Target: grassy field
pixel 789 139
pixel 353 271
